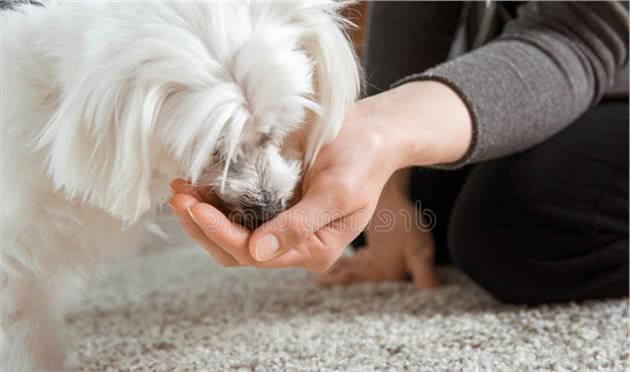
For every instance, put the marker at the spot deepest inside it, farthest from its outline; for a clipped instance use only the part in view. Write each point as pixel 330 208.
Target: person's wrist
pixel 381 129
pixel 376 134
pixel 431 121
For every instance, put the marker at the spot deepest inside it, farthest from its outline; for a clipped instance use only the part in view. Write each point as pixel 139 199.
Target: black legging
pixel 545 225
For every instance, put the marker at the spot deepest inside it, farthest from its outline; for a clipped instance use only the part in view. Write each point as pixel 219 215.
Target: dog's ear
pixel 98 145
pixel 337 74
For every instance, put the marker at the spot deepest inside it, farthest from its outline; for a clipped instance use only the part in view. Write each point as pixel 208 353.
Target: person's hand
pixel 399 245
pixel 415 124
pixel 339 194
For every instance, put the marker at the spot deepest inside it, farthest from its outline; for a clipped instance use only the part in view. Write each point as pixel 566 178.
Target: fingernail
pixel 170 206
pixel 266 247
pixel 190 213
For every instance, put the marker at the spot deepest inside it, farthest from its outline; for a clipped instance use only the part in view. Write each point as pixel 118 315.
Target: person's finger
pixel 313 254
pixel 203 193
pixel 327 245
pixel 318 208
pixel 180 204
pixel 307 255
pixel 289 259
pixel 231 237
pixel 210 225
pixel 181 186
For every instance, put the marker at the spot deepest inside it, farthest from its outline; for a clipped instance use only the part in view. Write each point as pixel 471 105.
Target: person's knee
pixel 487 257
pixel 473 253
pixel 480 247
pixel 530 227
pixel 522 255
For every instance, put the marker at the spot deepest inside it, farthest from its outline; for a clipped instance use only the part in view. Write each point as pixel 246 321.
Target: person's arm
pixel 417 123
pixel 551 63
pixel 475 107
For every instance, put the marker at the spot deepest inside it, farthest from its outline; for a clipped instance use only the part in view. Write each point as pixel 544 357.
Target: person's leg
pixel 550 224
pixel 433 192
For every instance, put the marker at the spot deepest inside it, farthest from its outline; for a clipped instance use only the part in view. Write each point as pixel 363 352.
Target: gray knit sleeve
pixel 550 64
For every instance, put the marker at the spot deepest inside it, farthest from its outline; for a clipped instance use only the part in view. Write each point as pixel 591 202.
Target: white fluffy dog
pixel 103 103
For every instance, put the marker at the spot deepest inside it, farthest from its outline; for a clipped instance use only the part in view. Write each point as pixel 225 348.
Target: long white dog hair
pixel 195 79
pixel 102 103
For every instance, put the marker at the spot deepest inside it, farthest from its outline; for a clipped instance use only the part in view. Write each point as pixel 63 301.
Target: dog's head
pixel 207 90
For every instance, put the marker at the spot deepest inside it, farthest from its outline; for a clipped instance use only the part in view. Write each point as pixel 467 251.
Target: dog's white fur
pixel 103 103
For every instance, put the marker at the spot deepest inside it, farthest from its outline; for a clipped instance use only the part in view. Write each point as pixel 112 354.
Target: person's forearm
pixel 424 123
pixel 552 63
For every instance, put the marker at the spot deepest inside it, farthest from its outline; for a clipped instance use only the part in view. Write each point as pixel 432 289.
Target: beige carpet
pixel 176 310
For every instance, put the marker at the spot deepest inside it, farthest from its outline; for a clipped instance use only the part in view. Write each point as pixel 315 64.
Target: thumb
pixel 296 225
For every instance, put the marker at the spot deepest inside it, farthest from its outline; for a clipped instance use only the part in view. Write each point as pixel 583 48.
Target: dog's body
pixel 102 104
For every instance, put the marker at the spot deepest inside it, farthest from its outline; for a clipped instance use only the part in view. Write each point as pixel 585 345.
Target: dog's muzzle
pixel 251 216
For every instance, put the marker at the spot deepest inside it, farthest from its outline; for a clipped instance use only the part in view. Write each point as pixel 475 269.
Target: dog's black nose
pixel 256 215
pixel 264 213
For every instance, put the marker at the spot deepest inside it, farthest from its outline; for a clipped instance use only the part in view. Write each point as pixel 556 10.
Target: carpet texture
pixel 177 310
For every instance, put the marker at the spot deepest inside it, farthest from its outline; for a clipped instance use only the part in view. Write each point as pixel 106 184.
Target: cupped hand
pixel 338 196
pixel 419 123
